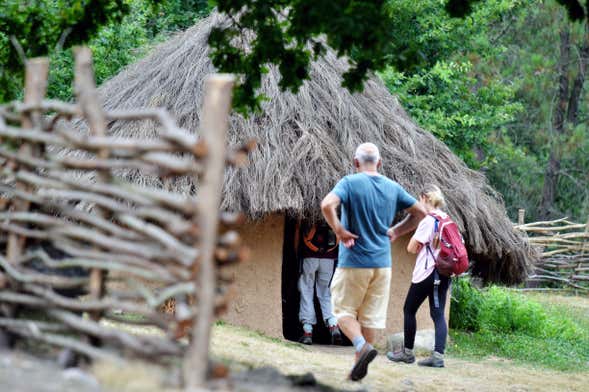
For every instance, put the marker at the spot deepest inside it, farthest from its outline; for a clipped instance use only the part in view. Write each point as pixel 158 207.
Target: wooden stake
pixel 36 71
pixel 87 96
pixel 213 127
pixel 521 216
pixel 584 248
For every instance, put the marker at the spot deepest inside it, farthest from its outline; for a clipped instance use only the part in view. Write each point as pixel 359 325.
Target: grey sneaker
pixel 435 360
pixel 365 356
pixel 307 338
pixel 404 355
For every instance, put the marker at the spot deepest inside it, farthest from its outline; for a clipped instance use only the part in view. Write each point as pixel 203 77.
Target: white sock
pixel 358 343
pixel 331 322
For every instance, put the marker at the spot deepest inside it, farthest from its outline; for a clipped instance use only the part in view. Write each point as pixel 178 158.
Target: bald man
pixel 361 284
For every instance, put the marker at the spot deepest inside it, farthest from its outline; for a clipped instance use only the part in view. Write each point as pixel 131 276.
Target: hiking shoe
pixel 404 355
pixel 307 338
pixel 365 356
pixel 336 335
pixel 435 360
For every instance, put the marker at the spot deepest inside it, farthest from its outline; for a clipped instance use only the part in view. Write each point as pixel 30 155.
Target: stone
pixel 424 342
pixel 79 377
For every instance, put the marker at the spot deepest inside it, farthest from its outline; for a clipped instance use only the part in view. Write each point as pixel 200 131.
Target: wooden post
pixel 87 96
pixel 213 128
pixel 584 248
pixel 521 213
pixel 36 71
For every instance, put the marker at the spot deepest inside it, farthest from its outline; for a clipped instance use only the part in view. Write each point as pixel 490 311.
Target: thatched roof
pixel 306 142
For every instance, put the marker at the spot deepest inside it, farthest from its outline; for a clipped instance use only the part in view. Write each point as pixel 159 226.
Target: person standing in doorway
pixel 319 252
pixel 361 284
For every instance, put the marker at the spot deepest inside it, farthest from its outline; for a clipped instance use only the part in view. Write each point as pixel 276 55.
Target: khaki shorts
pixel 362 293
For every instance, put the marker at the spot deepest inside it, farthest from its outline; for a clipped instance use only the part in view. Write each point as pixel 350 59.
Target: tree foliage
pixel 127 32
pixel 446 89
pixel 289 33
pixel 485 83
pixel 532 39
pixel 491 96
pixel 449 101
pixel 39 26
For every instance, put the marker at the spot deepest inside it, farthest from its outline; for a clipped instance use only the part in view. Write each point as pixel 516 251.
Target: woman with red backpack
pixel 427 281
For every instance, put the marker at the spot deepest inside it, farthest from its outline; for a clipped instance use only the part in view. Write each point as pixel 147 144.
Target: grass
pixel 539 330
pixel 549 353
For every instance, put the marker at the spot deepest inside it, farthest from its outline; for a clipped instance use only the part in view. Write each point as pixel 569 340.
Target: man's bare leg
pixel 370 334
pixel 365 353
pixel 350 327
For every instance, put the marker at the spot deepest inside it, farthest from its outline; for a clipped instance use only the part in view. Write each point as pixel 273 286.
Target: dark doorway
pixel 291 270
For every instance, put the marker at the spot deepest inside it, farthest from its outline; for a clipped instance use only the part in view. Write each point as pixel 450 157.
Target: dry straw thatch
pixel 306 140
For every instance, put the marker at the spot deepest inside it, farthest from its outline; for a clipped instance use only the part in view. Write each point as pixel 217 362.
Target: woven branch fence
pixel 564 246
pixel 82 245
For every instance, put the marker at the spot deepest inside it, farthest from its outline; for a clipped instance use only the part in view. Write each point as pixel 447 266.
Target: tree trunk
pixel 577 90
pixel 558 127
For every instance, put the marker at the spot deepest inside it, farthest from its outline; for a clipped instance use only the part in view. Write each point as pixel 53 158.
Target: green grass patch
pixel 501 322
pixel 549 353
pixel 130 317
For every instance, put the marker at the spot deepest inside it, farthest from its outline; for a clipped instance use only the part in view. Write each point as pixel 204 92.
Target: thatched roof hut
pixel 306 141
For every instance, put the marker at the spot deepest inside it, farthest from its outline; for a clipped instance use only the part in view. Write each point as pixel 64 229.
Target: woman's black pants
pixel 418 292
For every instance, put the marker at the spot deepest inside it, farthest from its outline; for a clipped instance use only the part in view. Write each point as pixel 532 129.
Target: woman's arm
pixel 415 214
pixel 414 246
pixel 421 236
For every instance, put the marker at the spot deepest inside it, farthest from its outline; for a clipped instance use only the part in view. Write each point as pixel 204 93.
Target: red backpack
pixel 453 258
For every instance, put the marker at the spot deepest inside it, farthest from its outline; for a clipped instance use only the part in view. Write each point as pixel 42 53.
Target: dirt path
pixel 331 365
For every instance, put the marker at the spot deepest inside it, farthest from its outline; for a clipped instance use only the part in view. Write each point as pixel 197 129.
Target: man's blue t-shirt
pixel 369 205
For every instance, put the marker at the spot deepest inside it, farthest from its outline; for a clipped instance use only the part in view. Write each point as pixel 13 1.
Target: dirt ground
pixel 330 366
pixel 245 350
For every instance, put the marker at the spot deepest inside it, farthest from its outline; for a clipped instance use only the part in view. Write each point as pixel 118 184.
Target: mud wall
pixel 258 304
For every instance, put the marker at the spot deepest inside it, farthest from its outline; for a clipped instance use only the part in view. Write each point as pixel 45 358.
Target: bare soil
pixel 259 363
pixel 331 365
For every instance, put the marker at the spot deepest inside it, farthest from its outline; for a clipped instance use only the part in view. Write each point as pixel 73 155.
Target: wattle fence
pixel 564 249
pixel 82 245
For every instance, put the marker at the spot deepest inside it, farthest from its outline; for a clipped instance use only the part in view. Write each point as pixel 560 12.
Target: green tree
pixel 488 87
pixel 115 41
pixel 449 101
pixel 552 63
pixel 448 89
pixel 288 33
pixel 38 27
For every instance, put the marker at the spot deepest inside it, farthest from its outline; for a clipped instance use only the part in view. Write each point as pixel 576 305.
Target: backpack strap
pixel 307 239
pixel 436 289
pixel 428 247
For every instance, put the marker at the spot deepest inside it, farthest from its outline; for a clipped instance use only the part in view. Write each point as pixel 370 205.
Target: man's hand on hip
pixel 392 234
pixel 346 237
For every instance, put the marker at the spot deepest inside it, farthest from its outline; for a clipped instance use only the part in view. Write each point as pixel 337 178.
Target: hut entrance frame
pixel 291 271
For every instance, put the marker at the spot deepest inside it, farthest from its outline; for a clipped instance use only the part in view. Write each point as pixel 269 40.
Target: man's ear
pixel 356 163
pixel 379 164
